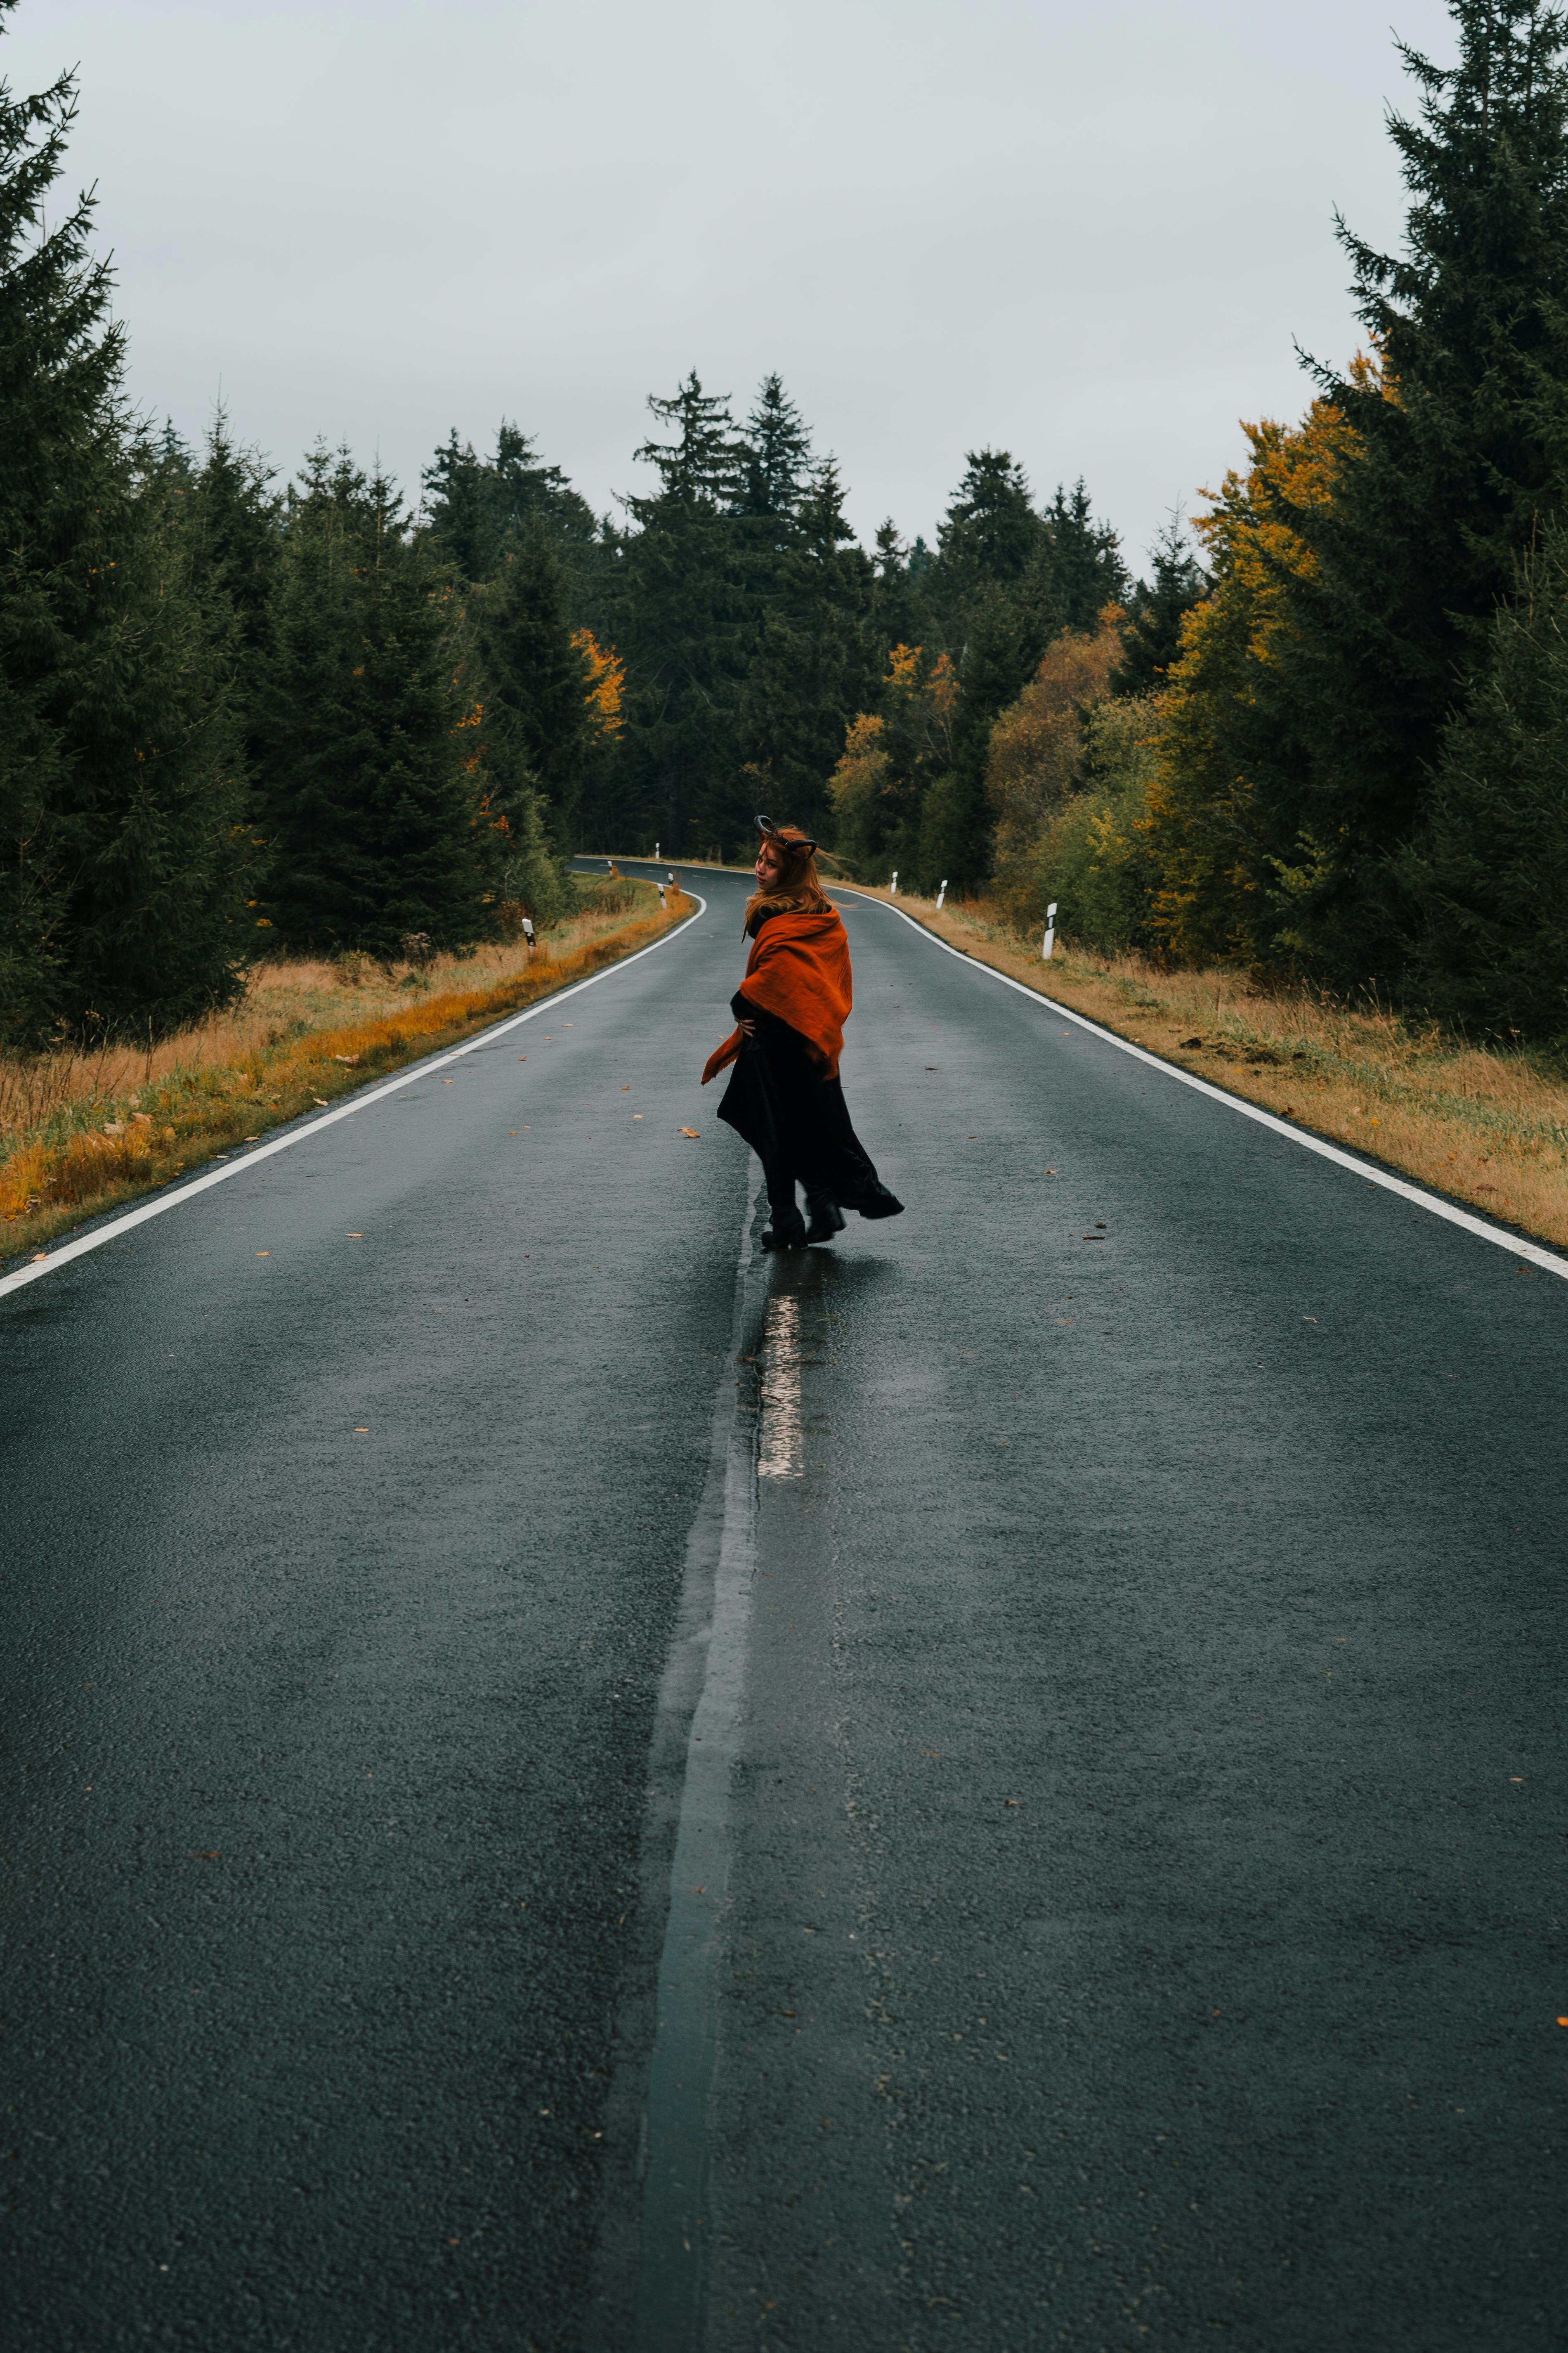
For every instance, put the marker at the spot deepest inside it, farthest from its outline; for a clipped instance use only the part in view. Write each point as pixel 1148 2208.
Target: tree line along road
pixel 998 1786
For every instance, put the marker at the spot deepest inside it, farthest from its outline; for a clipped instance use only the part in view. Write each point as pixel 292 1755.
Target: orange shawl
pixel 799 970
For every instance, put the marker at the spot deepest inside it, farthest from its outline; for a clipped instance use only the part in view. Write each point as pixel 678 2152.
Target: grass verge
pixel 1486 1127
pixel 81 1134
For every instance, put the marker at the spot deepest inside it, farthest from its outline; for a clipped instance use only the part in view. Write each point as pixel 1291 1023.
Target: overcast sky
pixel 1085 233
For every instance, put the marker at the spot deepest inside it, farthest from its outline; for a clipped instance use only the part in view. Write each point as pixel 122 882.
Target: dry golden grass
pixel 1487 1128
pixel 80 1133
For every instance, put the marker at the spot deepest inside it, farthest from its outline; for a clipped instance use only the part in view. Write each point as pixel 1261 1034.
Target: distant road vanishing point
pixel 569 1784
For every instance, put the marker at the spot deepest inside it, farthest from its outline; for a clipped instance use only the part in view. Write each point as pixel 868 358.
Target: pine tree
pixel 121 851
pixel 233 518
pixel 1081 570
pixel 476 507
pixel 531 678
pixel 1490 872
pixel 895 596
pixel 772 466
pixel 702 466
pixel 990 538
pixel 371 795
pixel 679 610
pixel 1462 432
pixel 1151 639
pixel 817 663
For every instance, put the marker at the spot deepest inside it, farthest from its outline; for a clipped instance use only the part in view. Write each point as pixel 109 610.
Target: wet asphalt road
pixel 1111 1891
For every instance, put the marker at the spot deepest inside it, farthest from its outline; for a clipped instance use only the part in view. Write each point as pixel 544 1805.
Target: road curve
pixel 998 1786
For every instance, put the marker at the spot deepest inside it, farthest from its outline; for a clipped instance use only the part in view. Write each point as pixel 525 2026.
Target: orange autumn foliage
pixel 606 676
pixel 1200 826
pixel 1034 743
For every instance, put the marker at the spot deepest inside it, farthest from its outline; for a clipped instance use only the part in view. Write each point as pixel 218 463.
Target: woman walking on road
pixel 784 1097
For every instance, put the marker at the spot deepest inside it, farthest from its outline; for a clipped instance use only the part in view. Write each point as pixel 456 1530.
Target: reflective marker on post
pixel 1050 933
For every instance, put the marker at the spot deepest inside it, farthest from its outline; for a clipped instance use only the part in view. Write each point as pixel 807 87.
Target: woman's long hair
pixel 798 891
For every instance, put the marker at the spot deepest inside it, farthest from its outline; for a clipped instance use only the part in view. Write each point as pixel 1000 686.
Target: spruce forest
pixel 1324 739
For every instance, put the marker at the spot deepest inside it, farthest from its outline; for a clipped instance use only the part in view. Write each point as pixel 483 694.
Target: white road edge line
pixel 420 1069
pixel 1546 1259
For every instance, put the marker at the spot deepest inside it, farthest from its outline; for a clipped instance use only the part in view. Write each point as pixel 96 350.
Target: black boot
pixel 827 1217
pixel 786 1227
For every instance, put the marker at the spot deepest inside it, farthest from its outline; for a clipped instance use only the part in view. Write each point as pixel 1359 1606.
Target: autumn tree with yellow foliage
pixel 1218 728
pixel 1035 746
pixel 891 760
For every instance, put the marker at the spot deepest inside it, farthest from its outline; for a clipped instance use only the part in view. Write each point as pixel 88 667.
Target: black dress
pixel 798 1123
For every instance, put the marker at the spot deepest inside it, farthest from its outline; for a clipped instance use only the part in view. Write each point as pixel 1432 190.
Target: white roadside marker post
pixel 1050 933
pixel 942 895
pixel 893 885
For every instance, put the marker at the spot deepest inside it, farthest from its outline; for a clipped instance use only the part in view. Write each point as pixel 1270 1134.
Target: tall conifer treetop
pixel 774 457
pixel 1458 445
pixel 991 531
pixel 476 507
pixel 1470 321
pixel 1083 568
pixel 1153 637
pixel 701 466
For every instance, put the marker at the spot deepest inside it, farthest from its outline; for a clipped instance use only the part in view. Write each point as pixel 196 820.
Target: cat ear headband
pixel 770 832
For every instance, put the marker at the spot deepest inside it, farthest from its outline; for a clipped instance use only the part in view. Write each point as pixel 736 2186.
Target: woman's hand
pixel 747 1029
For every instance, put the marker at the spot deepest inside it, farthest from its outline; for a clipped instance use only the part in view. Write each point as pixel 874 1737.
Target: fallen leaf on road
pixel 692 1131
pixel 264 1253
